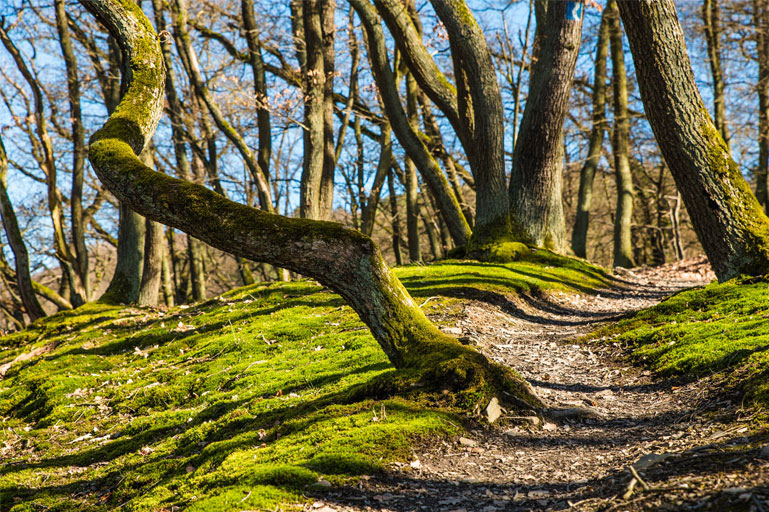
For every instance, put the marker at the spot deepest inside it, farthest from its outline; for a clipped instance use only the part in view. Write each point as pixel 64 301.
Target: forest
pixel 394 255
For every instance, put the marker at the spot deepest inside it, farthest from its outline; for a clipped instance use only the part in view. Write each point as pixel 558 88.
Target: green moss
pixel 721 327
pixel 751 245
pixel 245 400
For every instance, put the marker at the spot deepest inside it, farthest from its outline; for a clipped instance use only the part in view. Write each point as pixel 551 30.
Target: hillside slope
pixel 245 401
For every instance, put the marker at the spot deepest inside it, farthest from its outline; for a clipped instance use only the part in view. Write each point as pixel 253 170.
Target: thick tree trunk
pixel 761 24
pixel 20 255
pixel 587 174
pixel 730 224
pixel 124 285
pixel 535 182
pixel 342 259
pixel 711 18
pixel 623 218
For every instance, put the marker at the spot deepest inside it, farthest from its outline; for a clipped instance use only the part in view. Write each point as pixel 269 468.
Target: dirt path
pixel 692 440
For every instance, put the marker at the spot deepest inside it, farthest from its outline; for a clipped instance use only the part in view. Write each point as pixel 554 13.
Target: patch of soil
pixel 691 444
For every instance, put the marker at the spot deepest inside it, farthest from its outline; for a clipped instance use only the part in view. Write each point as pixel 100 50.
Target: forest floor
pixel 692 444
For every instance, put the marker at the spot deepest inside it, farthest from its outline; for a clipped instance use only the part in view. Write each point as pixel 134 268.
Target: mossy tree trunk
pixel 345 260
pixel 535 182
pixel 623 217
pixel 595 145
pixel 729 222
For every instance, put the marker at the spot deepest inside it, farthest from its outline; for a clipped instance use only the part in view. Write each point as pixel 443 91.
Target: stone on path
pixel 493 410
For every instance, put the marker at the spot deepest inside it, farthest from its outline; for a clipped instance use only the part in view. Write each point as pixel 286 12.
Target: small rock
pixel 454 331
pixel 322 483
pixel 534 421
pixel 467 442
pixel 550 427
pixel 493 410
pixel 416 464
pixel 764 453
pixel 649 460
pixel 189 469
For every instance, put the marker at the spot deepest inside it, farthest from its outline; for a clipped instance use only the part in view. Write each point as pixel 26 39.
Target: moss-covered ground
pixel 242 402
pixel 716 328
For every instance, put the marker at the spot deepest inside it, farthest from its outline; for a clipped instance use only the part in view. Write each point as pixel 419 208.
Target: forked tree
pixel 345 260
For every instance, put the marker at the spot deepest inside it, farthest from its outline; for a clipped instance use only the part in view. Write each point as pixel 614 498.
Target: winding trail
pixel 676 433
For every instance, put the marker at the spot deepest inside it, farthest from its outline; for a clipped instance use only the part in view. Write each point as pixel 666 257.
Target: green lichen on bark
pixel 747 214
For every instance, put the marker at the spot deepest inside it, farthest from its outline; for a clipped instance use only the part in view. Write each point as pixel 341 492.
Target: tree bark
pixel 342 259
pixel 313 88
pixel 595 145
pixel 535 182
pixel 623 218
pixel 729 222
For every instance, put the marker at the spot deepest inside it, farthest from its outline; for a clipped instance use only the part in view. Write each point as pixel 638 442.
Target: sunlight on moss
pixel 242 401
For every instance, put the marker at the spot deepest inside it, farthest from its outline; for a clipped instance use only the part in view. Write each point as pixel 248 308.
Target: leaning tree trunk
pixel 342 259
pixel 20 254
pixel 623 218
pixel 587 175
pixel 728 220
pixel 535 182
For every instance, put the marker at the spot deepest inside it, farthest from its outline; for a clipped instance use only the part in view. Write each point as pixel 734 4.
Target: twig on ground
pixel 640 480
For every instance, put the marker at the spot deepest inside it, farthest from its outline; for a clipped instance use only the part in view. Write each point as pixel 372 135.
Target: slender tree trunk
pixel 623 219
pixel 20 255
pixel 729 222
pixel 414 146
pixel 124 286
pixel 711 17
pixel 587 175
pixel 152 270
pixel 154 249
pixel 368 215
pixel 535 183
pixel 396 223
pixel 326 189
pixel 314 83
pixel 412 184
pixel 761 24
pixel 260 87
pixel 167 278
pixel 80 262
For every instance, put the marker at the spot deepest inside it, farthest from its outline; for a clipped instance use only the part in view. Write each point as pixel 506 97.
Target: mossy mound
pixel 241 402
pixel 717 328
